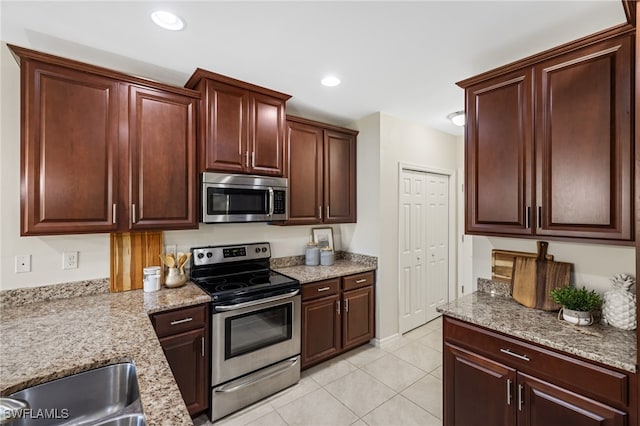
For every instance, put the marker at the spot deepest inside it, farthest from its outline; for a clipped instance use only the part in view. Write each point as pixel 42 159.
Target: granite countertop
pixel 306 274
pixel 47 340
pixel 602 343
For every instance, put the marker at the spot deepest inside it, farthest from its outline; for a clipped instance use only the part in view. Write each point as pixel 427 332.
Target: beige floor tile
pixel 247 415
pixel 399 411
pixel 359 423
pixel 427 393
pixel 364 355
pixel 201 420
pixel 437 322
pixel 360 392
pixel 419 332
pixel 271 419
pixel 421 356
pixel 304 386
pixel 437 373
pixel 317 408
pixel 331 370
pixel 394 372
pixel 432 340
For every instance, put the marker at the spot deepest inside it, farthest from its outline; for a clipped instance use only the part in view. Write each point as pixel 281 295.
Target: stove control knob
pixel 200 255
pixel 264 249
pixel 209 255
pixel 257 249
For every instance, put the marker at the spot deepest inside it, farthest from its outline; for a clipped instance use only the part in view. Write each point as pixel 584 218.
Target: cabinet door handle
pixel 246 158
pixel 324 289
pixel 133 213
pixel 346 306
pixel 509 392
pixel 327 216
pixel 202 346
pixel 182 321
pixel 114 211
pixel 338 306
pixel 520 403
pixel 319 212
pixel 539 216
pixel 508 352
pixel 253 159
pixel 528 218
pixel 364 280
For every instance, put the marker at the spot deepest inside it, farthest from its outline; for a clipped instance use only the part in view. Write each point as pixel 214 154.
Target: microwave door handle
pixel 257 302
pixel 271 202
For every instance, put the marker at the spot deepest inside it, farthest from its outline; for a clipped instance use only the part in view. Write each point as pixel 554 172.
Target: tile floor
pixel 397 384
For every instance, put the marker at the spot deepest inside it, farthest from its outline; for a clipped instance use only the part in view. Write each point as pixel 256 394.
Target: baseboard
pixel 378 343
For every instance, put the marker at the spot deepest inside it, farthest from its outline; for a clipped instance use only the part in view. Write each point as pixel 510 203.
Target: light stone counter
pixel 46 340
pixel 601 343
pixel 341 268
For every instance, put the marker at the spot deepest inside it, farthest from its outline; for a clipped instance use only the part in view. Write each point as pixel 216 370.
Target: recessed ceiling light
pixel 457 118
pixel 167 20
pixel 330 81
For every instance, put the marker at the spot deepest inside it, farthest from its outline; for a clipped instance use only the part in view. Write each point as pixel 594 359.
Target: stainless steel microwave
pixel 243 198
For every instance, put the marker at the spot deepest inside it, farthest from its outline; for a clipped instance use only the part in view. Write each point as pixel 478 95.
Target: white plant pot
pixel 576 317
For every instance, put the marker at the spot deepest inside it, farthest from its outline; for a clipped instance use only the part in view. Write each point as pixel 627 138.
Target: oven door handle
pixel 257 377
pixel 256 302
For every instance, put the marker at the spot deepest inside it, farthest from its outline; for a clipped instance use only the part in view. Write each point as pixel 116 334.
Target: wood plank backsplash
pixel 131 252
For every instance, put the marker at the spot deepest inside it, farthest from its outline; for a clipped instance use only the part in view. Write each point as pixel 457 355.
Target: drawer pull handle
pixel 508 352
pixel 509 392
pixel 360 281
pixel 182 321
pixel 324 289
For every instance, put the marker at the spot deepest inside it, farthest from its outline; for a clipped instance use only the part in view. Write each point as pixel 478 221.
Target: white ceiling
pixel 401 58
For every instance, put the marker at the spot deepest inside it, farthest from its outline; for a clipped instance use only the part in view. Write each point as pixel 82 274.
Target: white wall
pixel 46 252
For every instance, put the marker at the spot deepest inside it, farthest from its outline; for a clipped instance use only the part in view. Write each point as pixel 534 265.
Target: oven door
pixel 252 335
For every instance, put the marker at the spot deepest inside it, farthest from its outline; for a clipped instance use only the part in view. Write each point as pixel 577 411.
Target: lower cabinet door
pixel 477 391
pixel 544 404
pixel 186 353
pixel 357 318
pixel 320 329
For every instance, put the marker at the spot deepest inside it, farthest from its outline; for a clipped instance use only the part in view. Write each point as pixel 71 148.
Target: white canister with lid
pixel 327 256
pixel 312 255
pixel 151 278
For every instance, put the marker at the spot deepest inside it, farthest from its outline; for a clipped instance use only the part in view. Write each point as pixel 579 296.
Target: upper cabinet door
pixel 583 142
pixel 162 151
pixel 226 129
pixel 339 177
pixel 69 162
pixel 266 147
pixel 499 155
pixel 304 171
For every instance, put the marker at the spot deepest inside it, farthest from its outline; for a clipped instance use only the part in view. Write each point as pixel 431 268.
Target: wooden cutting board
pixel 533 279
pixel 131 252
pixel 502 263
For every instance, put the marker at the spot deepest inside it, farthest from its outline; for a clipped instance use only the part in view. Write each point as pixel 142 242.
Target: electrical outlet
pixel 23 263
pixel 171 248
pixel 70 260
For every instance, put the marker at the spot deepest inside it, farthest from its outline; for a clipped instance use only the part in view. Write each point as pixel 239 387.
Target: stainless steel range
pixel 255 324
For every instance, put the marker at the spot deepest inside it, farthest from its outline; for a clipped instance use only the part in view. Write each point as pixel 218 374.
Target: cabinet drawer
pixel 179 320
pixel 575 374
pixel 358 280
pixel 320 289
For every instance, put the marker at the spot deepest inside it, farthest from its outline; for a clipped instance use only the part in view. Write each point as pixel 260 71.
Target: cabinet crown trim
pixel 326 126
pixel 201 73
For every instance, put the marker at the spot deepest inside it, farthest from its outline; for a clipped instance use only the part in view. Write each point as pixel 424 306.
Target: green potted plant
pixel 577 304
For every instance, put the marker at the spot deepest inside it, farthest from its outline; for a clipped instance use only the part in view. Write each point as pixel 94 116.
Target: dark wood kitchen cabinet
pixel 503 380
pixel 184 337
pixel 102 151
pixel 321 167
pixel 242 126
pixel 337 315
pixel 548 143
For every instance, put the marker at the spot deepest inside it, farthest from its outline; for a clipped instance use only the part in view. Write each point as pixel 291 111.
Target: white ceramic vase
pixel 174 278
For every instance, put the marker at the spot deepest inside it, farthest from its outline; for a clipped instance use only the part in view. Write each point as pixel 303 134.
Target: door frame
pixel 453 219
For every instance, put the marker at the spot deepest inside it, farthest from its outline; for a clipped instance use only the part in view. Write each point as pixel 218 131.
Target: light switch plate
pixel 171 248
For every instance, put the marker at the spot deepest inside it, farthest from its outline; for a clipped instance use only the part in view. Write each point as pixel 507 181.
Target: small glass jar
pixel 312 255
pixel 327 256
pixel 151 279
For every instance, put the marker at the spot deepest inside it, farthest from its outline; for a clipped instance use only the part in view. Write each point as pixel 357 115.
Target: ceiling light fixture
pixel 167 20
pixel 457 118
pixel 330 81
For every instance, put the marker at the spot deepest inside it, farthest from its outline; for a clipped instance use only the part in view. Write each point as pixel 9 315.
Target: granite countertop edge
pixel 307 274
pixel 600 343
pixel 130 337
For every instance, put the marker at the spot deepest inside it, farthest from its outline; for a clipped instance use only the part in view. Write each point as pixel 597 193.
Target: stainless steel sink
pixel 106 396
